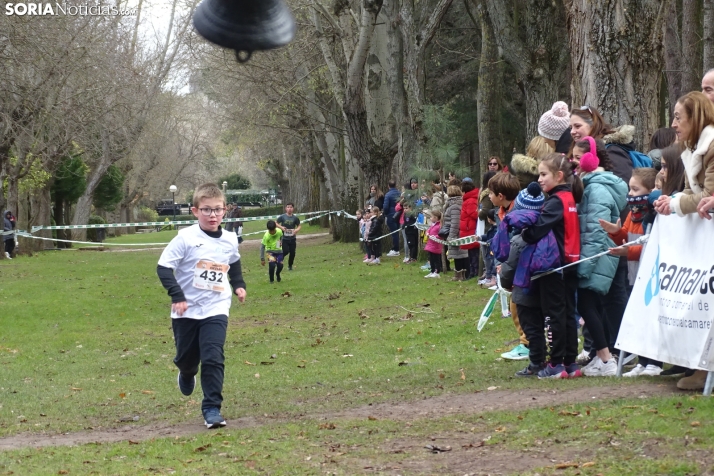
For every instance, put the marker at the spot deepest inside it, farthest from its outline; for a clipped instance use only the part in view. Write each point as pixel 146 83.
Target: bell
pixel 245 25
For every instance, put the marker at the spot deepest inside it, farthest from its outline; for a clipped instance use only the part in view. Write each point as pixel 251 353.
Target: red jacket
pixel 469 217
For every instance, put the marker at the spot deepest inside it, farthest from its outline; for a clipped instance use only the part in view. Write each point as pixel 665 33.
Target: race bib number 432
pixel 210 275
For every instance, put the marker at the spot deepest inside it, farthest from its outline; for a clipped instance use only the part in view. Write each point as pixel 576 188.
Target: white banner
pixel 670 312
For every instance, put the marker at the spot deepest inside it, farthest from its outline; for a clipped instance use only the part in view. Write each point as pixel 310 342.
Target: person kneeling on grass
pixel 272 243
pixel 198 268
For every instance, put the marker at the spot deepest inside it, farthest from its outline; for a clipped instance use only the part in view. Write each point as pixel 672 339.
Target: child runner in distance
pixel 272 245
pixel 432 247
pixel 557 290
pixel 200 268
pixel 642 183
pixel 290 226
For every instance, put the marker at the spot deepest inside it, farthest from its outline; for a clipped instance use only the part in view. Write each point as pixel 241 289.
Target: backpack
pixel 638 158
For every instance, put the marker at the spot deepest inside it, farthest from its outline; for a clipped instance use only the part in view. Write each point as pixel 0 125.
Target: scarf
pixel 639 207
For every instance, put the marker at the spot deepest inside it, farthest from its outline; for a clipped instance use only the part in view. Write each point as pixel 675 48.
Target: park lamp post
pixel 173 189
pixel 225 184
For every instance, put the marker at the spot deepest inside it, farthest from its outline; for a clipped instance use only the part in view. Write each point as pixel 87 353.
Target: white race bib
pixel 289 232
pixel 210 275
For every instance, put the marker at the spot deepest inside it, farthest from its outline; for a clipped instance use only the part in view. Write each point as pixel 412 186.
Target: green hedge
pixel 92 232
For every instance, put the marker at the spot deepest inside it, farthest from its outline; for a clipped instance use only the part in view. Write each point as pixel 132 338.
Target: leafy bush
pixel 146 214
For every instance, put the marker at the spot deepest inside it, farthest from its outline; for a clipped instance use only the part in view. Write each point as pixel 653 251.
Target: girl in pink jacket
pixel 434 248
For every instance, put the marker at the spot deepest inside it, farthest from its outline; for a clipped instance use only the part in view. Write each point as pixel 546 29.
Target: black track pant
pixel 435 262
pixel 533 325
pixel 592 307
pixel 412 241
pixel 200 341
pixel 289 247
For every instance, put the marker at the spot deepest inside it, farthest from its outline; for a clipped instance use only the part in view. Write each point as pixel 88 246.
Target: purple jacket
pixel 535 258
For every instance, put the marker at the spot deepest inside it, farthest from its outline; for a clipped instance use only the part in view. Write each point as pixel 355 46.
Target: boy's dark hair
pixel 467 186
pixel 290 204
pixel 492 214
pixel 646 176
pixel 506 184
pixel 392 183
pixel 271 225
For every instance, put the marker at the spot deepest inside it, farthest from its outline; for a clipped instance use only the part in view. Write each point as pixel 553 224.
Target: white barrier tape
pixel 642 239
pixel 27 235
pixel 162 223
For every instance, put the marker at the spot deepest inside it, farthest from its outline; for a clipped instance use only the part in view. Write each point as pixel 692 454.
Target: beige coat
pixel 699 175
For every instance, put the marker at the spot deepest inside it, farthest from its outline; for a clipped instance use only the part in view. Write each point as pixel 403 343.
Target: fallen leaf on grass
pixel 301 366
pixel 588 464
pixel 567 413
pixel 566 465
pixel 492 388
pixel 76 389
pixel 286 294
pixel 463 375
pixel 267 363
pixel 500 429
pixel 696 423
pixel 474 445
pixel 371 418
pixel 132 442
pixel 63 471
pixel 147 392
pixel 248 363
pixel 257 375
pixel 327 426
pixel 202 448
pixel 347 355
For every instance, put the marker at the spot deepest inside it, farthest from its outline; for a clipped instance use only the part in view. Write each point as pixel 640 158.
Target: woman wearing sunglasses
pixel 495 165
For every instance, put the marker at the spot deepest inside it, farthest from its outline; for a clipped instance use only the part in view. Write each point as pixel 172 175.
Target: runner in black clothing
pixel 290 224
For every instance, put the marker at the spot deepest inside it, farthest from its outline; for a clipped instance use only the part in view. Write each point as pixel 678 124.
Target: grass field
pixel 339 369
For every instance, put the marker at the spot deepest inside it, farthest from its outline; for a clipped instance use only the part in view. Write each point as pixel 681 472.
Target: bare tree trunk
pixel 489 95
pixel 691 51
pixel 672 56
pixel 616 53
pixel 540 61
pixel 708 40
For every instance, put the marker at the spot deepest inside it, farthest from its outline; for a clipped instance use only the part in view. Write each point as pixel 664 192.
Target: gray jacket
pixel 451 222
pixel 519 296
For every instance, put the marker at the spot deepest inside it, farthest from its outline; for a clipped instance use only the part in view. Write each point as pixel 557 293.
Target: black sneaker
pixel 290 268
pixel 212 418
pixel 186 387
pixel 673 370
pixel 278 277
pixel 530 371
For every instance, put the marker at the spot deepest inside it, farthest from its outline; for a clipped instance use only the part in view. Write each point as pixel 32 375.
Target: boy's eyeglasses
pixel 208 211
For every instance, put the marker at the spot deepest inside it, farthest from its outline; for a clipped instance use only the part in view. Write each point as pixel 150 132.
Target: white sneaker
pixel 375 261
pixel 7 255
pixel 482 281
pixel 602 369
pixel 426 267
pixel 635 372
pixel 436 275
pixel 406 259
pixel 594 362
pixel 651 371
pixel 393 253
pixel 366 260
pixel 430 275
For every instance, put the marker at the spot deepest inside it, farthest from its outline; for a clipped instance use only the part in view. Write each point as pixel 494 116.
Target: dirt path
pixel 474 403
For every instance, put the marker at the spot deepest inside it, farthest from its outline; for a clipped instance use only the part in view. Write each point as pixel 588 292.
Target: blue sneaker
pixel 553 372
pixel 573 370
pixel 186 387
pixel 212 418
pixel 520 352
pixel 531 370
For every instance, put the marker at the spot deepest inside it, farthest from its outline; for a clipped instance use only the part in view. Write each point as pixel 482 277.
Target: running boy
pixel 199 268
pixel 272 244
pixel 290 225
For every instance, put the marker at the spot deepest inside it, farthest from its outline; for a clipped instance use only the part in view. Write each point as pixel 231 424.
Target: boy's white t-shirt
pixel 200 265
